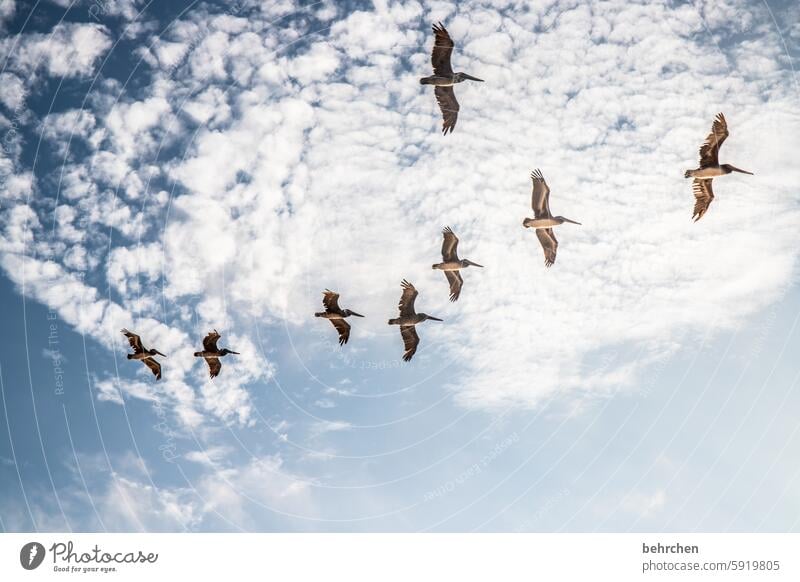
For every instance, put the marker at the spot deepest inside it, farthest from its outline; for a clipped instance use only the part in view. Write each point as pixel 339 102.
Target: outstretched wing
pixel 540 197
pixel 410 341
pixel 331 301
pixel 343 328
pixel 455 280
pixel 446 98
pixel 407 299
pixel 442 49
pixel 549 245
pixel 210 341
pixel 449 245
pixel 134 340
pixel 709 151
pixel 214 366
pixel 703 195
pixel 154 366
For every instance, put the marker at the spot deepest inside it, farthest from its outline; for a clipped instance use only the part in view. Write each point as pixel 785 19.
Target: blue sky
pixel 174 170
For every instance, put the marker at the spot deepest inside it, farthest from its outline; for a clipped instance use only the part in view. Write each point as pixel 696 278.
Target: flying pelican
pixel 710 167
pixel 409 319
pixel 336 315
pixel 142 353
pixel 211 353
pixel 444 78
pixel 544 221
pixel 451 264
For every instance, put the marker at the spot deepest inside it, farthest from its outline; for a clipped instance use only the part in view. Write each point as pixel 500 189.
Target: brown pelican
pixel 409 319
pixel 544 221
pixel 444 78
pixel 211 353
pixel 142 353
pixel 710 167
pixel 451 264
pixel 336 315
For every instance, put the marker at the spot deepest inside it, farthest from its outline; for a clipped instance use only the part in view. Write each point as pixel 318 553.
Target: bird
pixel 710 167
pixel 451 264
pixel 409 319
pixel 543 220
pixel 211 353
pixel 336 315
pixel 142 353
pixel 444 78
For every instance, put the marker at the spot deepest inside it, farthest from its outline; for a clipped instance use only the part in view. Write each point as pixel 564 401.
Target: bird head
pixel 562 219
pixel 468 263
pixel 350 312
pixel 463 76
pixel 425 317
pixel 730 169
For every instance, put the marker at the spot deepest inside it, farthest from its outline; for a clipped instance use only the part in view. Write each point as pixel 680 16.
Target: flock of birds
pixel 443 80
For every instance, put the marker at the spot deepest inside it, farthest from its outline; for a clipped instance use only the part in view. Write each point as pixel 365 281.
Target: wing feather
pixel 449 245
pixel 154 366
pixel 343 328
pixel 446 98
pixel 455 280
pixel 214 366
pixel 330 301
pixel 709 151
pixel 547 238
pixel 703 195
pixel 134 340
pixel 410 341
pixel 442 49
pixel 407 299
pixel 540 196
pixel 210 341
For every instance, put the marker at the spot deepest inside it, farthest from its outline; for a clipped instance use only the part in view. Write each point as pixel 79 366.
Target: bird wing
pixel 455 280
pixel 446 98
pixel 410 341
pixel 703 195
pixel 210 341
pixel 343 328
pixel 709 151
pixel 154 366
pixel 134 340
pixel 549 244
pixel 540 197
pixel 214 366
pixel 330 300
pixel 407 299
pixel 449 245
pixel 442 49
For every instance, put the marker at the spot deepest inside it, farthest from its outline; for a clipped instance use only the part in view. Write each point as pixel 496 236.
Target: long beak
pixel 735 169
pixel 356 314
pixel 471 78
pixel 232 352
pixel 160 354
pixel 435 318
pixel 572 221
pixel 474 264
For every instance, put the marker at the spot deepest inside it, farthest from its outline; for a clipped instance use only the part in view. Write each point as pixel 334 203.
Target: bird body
pixel 444 78
pixel 710 167
pixel 336 315
pixel 543 220
pixel 408 320
pixel 211 353
pixel 143 354
pixel 451 264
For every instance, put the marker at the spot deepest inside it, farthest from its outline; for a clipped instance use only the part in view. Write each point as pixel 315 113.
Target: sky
pixel 173 168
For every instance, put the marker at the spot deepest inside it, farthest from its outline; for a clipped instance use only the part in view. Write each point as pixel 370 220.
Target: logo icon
pixel 31 555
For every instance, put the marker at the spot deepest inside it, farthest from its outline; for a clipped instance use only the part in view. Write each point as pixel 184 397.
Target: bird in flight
pixel 409 319
pixel 211 353
pixel 710 167
pixel 451 264
pixel 444 78
pixel 543 220
pixel 142 354
pixel 336 315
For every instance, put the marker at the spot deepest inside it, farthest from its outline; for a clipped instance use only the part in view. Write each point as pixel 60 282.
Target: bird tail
pixel 130 356
pixel 319 314
pixel 435 266
pixel 198 354
pixel 394 322
pixel 425 81
pixel 688 173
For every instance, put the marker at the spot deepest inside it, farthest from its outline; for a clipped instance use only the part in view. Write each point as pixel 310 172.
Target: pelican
pixel 336 315
pixel 451 264
pixel 544 221
pixel 211 353
pixel 444 78
pixel 409 319
pixel 142 353
pixel 710 167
